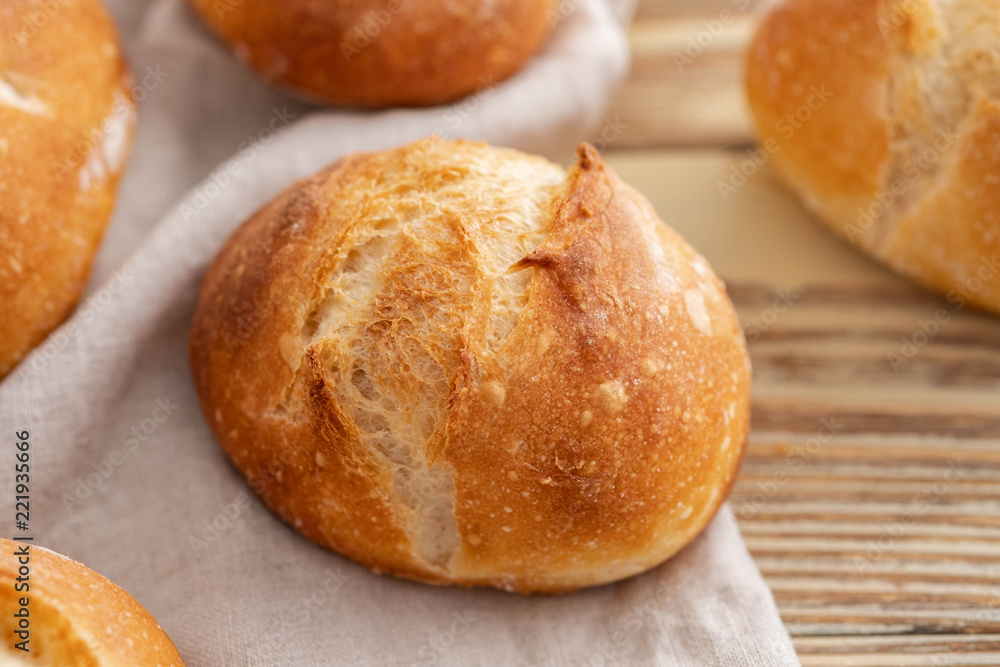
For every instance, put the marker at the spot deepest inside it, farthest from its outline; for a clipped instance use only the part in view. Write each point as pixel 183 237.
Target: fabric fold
pixel 128 479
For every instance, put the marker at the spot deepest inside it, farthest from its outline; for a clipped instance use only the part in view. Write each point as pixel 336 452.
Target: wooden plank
pixel 685 87
pixel 689 8
pixel 870 494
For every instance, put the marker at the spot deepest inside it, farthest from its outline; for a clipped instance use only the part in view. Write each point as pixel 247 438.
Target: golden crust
pixel 952 243
pixel 582 413
pixel 386 53
pixel 846 134
pixel 77 616
pixel 901 158
pixel 66 120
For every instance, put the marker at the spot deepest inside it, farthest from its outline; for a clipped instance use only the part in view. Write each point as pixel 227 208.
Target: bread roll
pixel 378 53
pixel 75 616
pixel 463 364
pixel 66 119
pixel 884 116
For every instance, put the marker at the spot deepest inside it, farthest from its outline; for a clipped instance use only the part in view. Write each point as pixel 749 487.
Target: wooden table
pixel 870 495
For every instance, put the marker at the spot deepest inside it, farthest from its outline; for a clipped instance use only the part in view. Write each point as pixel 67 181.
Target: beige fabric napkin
pixel 127 477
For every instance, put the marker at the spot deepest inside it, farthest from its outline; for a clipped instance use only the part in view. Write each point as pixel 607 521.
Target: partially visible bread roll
pixel 378 53
pixel 884 116
pixel 75 616
pixel 462 364
pixel 66 119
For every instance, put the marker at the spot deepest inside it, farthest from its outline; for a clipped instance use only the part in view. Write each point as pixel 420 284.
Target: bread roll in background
pixel 884 116
pixel 379 53
pixel 76 616
pixel 66 120
pixel 464 364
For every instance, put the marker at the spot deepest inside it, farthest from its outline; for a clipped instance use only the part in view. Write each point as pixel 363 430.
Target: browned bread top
pixel 463 364
pixel 66 119
pixel 382 53
pixel 75 616
pixel 884 116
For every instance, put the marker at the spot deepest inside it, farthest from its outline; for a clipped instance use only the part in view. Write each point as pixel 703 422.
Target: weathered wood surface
pixel 685 87
pixel 880 540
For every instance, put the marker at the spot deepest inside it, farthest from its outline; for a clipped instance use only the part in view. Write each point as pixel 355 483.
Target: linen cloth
pixel 126 476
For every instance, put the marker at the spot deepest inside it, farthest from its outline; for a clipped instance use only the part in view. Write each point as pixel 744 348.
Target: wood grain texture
pixel 870 495
pixel 685 87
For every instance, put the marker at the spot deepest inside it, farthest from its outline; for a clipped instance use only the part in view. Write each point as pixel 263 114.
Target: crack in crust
pixel 944 61
pixel 899 154
pixel 493 378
